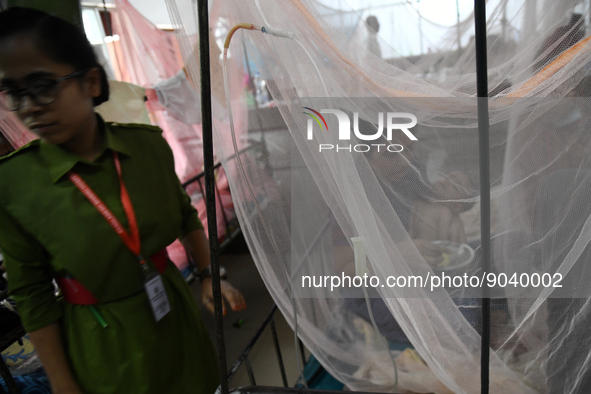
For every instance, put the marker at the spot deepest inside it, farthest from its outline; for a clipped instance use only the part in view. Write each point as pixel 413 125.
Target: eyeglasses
pixel 42 91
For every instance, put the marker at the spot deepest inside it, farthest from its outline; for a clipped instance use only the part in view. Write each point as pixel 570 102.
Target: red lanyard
pixel 132 241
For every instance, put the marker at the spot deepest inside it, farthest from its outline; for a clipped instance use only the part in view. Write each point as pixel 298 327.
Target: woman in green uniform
pixel 93 205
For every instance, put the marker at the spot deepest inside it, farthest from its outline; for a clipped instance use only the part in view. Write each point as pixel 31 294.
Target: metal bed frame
pixel 232 227
pixel 14 335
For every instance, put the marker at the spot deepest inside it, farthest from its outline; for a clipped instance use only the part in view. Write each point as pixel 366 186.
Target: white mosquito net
pixel 412 204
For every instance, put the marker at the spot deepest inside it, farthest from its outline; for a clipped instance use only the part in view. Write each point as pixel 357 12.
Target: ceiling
pixel 154 10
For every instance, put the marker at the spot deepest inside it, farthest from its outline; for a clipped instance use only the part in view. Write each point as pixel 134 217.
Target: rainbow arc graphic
pixel 316 117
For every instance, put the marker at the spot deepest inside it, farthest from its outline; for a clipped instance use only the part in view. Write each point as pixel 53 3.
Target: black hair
pixel 560 40
pixel 60 40
pixel 373 21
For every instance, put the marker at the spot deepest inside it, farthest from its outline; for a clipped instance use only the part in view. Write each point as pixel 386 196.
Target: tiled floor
pixel 243 274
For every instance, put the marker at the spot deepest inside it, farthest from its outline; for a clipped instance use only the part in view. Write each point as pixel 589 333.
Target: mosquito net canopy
pixel 363 215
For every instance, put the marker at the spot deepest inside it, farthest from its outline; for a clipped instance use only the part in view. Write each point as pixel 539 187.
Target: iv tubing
pixel 283 34
pixel 384 340
pixel 247 26
pixel 250 26
pixel 360 270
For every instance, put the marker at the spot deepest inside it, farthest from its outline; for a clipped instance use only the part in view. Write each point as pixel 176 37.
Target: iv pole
pixel 483 143
pixel 207 129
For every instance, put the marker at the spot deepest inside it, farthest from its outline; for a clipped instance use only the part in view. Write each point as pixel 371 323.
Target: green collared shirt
pixel 47 226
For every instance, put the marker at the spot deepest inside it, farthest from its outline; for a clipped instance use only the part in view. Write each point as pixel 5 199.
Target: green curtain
pixel 65 9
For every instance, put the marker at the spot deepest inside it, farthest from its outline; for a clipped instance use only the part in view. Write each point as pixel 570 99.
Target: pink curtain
pixel 145 55
pixel 13 130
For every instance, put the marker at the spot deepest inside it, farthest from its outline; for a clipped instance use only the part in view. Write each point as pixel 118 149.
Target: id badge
pixel 157 296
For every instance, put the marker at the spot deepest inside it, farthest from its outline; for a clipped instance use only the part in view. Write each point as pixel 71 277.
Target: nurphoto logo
pixel 392 120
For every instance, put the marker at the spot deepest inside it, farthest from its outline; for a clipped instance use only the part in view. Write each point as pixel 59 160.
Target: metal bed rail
pixel 284 390
pixel 244 359
pixel 232 225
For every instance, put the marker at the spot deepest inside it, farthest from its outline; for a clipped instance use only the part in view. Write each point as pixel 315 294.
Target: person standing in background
pixel 372 40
